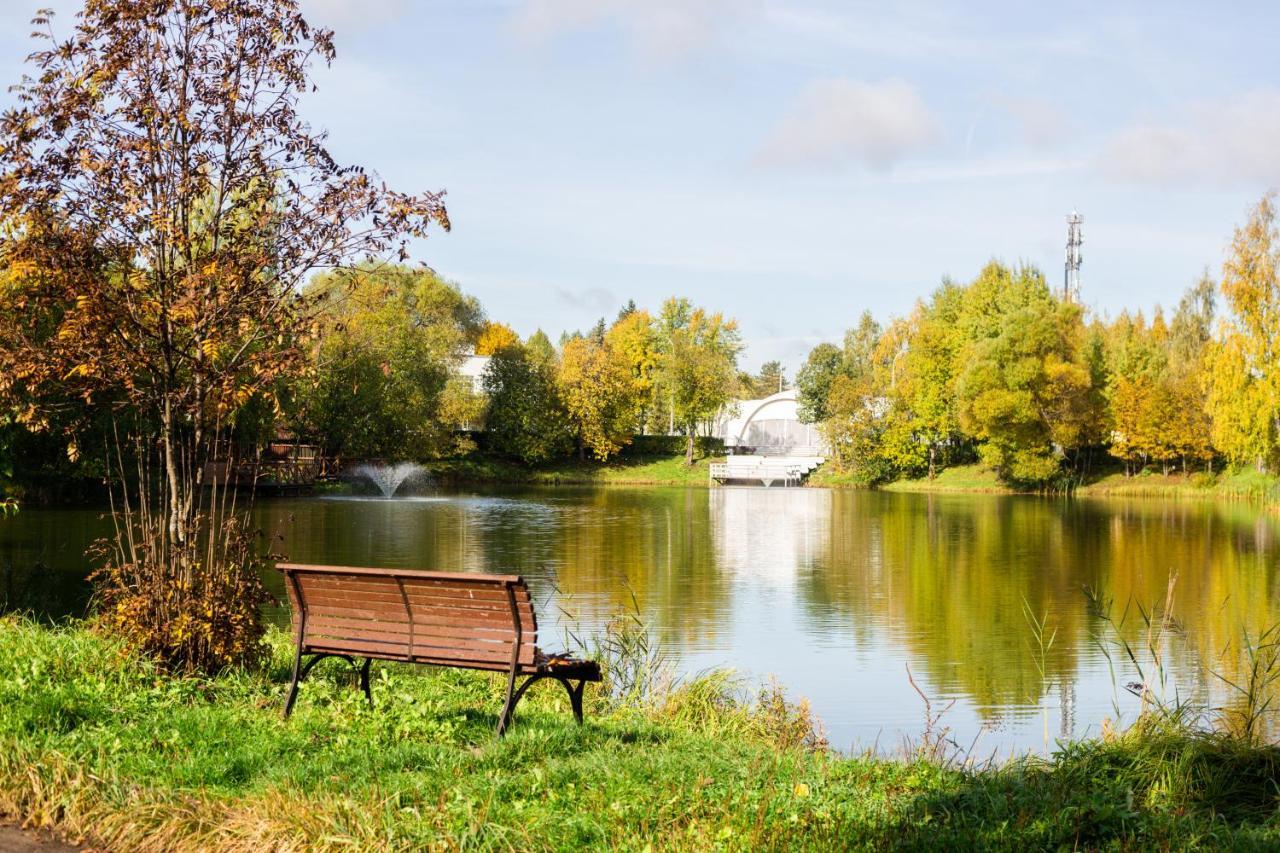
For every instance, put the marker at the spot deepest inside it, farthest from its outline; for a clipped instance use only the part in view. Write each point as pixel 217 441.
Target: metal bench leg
pixel 575 697
pixel 513 698
pixel 293 683
pixel 300 672
pixel 364 680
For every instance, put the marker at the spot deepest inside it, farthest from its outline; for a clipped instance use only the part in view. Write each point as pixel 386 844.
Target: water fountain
pixel 388 478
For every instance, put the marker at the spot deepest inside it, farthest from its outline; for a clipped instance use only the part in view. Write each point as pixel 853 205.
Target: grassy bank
pixel 638 471
pixel 962 478
pixel 1245 484
pixel 98 744
pixel 974 479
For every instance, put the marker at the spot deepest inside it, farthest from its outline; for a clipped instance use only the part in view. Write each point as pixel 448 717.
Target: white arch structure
pixel 771 425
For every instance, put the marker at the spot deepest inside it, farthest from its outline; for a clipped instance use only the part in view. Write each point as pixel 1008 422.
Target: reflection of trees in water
pixel 655 543
pixel 1225 557
pixel 948 575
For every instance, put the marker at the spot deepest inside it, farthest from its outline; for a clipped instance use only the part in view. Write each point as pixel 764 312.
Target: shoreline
pixel 1238 486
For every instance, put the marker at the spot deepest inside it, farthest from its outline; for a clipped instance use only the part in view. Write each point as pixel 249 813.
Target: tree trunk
pixel 933 451
pixel 173 475
pixel 688 447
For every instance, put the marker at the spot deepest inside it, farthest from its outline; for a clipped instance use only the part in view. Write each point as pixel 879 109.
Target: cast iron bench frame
pixel 451 619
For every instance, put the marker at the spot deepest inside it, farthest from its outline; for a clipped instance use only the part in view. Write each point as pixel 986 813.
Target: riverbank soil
pixel 14 839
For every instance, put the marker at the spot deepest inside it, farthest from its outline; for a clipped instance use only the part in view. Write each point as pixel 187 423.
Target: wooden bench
pixel 471 621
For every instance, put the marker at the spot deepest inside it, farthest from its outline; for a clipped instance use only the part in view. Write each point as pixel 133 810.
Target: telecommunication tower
pixel 1071 280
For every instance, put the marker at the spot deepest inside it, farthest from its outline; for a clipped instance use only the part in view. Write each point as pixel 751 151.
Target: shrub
pixel 199 613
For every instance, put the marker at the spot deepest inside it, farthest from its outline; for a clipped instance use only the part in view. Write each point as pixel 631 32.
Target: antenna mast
pixel 1071 279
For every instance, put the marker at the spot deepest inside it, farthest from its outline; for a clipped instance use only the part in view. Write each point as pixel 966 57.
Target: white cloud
pixel 835 120
pixel 655 27
pixel 352 13
pixel 1228 142
pixel 596 300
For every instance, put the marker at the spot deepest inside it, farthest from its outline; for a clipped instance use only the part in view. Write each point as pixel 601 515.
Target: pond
pixel 834 593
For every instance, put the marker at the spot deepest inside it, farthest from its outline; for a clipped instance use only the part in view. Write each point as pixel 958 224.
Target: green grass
pixel 98 743
pixel 647 471
pixel 961 478
pixel 1240 484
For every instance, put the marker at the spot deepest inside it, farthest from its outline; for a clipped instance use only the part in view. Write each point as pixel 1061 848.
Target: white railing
pixel 766 470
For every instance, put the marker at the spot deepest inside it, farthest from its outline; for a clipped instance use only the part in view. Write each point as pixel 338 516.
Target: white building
pixel 472 369
pixel 770 426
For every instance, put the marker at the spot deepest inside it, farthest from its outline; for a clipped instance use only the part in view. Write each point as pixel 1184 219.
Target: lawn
pixel 99 744
pixel 625 470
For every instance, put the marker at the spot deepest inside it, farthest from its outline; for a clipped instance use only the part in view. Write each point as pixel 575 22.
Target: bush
pixel 672 445
pixel 200 611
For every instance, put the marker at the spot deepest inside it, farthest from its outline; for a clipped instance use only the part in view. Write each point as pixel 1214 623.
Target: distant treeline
pixel 1001 370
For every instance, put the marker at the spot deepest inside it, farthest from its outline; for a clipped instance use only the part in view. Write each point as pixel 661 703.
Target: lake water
pixel 835 593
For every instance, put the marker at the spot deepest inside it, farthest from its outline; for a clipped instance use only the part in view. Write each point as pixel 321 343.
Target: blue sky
pixel 794 163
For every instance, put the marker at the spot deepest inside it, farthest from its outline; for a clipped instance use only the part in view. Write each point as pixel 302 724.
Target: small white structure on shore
pixel 768 443
pixel 771 427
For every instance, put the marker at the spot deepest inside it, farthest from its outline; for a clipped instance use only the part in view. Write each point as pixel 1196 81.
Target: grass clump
pixel 98 742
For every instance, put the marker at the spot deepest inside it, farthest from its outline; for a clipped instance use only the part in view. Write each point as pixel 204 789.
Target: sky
pixel 793 164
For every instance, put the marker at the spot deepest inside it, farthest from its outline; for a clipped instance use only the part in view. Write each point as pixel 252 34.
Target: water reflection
pixel 834 592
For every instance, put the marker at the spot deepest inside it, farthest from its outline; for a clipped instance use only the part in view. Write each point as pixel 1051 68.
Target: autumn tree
pixel 922 383
pixel 1243 378
pixel 164 200
pixel 600 398
pixel 632 341
pixel 495 337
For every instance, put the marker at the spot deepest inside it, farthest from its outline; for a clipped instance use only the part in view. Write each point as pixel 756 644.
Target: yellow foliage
pixel 495 337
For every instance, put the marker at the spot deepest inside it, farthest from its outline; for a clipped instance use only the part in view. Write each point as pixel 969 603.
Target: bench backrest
pixel 456 619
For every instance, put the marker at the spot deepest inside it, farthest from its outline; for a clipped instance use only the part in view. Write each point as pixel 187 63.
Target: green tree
pixel 1025 391
pixel 391 338
pixel 855 428
pixel 813 382
pixel 526 419
pixel 771 379
pixel 698 367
